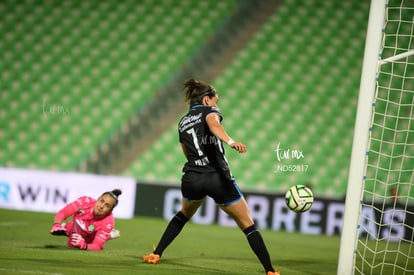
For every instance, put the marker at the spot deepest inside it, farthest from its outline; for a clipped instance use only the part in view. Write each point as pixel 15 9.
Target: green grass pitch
pixel 26 247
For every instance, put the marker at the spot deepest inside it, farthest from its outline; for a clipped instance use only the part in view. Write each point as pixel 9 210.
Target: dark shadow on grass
pixel 296 262
pixel 136 257
pixel 49 246
pixel 54 246
pixel 186 263
pixel 300 265
pixel 200 269
pixel 58 262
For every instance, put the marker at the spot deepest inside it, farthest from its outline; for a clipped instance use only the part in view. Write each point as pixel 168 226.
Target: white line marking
pixel 13 223
pixel 28 271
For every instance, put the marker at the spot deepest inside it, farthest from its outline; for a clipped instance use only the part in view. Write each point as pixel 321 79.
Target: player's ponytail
pixel 195 91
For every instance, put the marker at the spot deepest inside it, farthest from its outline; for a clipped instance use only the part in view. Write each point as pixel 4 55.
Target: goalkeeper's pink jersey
pixel 95 232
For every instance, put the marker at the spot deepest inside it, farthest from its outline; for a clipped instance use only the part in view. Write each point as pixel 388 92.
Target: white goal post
pixel 360 141
pixel 374 170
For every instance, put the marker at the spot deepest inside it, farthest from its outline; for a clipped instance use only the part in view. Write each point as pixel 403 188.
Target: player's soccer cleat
pixel 115 234
pixel 151 258
pixel 277 272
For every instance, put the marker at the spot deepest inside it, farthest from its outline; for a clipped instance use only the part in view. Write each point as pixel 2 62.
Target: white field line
pixel 12 270
pixel 13 223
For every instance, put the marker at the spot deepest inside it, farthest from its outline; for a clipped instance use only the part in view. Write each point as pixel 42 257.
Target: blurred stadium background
pixel 96 86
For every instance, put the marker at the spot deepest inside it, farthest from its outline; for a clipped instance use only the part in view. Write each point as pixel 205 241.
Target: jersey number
pixel 195 141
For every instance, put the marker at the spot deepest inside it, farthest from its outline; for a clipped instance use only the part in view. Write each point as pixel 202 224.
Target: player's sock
pixel 173 229
pixel 258 246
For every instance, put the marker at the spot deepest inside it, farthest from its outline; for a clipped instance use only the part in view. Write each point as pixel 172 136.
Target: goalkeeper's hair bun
pixel 116 192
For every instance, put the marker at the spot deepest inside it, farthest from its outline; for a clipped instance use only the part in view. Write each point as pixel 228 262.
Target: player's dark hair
pixel 196 90
pixel 114 194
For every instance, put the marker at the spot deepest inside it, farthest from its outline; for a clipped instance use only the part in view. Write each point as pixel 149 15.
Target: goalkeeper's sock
pixel 173 229
pixel 258 246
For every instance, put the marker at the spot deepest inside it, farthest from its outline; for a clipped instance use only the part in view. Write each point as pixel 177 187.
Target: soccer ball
pixel 299 198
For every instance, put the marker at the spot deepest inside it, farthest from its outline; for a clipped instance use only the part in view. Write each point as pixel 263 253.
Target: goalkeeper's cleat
pixel 151 258
pixel 115 234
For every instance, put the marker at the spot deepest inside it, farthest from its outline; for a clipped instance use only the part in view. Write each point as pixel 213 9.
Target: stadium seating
pixel 74 71
pixel 296 83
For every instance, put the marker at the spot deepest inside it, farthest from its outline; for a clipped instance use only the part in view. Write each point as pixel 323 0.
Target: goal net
pixel 383 242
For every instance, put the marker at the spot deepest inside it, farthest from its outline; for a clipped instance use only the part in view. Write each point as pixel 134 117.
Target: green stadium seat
pixel 294 83
pixel 286 85
pixel 102 60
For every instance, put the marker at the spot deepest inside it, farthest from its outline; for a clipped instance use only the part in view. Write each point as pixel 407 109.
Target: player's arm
pixel 67 211
pixel 213 122
pixel 102 235
pixel 184 150
pixel 99 241
pixel 62 215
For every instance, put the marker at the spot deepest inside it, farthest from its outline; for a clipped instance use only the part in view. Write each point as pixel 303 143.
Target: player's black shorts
pixel 196 186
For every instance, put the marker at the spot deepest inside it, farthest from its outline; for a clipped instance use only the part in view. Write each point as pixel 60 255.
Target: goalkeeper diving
pixel 91 222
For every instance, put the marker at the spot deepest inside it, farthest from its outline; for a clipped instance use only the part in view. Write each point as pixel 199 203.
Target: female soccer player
pixel 92 222
pixel 207 173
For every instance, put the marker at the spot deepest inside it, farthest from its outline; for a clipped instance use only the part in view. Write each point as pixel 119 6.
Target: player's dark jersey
pixel 205 152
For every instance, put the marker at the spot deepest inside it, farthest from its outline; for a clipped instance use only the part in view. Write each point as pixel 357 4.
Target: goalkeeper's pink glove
pixel 76 240
pixel 58 229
